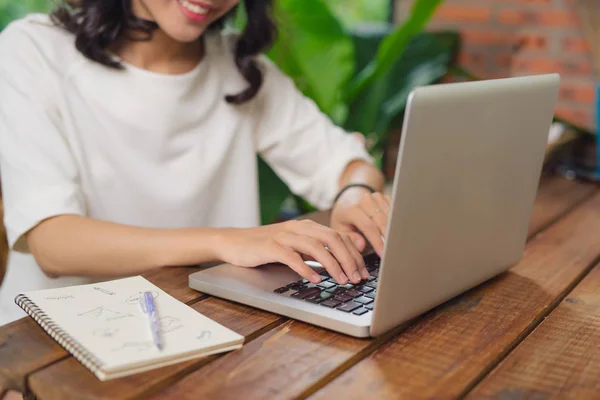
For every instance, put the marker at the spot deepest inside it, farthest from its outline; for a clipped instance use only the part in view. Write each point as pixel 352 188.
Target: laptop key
pixel 331 303
pixel 306 292
pixel 294 286
pixel 315 298
pixel 353 293
pixel 360 311
pixel 342 297
pixel 372 284
pixel 369 306
pixel 371 295
pixel 366 289
pixel 363 300
pixel 281 290
pixel 349 307
pixel 326 285
pixel 337 290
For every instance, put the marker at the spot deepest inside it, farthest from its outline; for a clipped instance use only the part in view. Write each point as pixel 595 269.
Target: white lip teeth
pixel 195 8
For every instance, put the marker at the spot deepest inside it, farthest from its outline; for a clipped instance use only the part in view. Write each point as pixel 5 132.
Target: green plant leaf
pixel 393 46
pixel 11 10
pixel 315 51
pixel 272 192
pixel 426 59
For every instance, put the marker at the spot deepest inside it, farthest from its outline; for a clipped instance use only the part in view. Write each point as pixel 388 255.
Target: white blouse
pixel 146 149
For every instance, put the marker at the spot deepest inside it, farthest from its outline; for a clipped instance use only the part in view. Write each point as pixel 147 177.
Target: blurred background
pixel 359 60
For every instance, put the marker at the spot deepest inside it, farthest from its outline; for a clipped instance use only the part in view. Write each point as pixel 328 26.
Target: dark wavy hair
pixel 98 23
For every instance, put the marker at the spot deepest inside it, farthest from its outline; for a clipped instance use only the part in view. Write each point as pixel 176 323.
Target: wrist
pixel 190 246
pixel 352 194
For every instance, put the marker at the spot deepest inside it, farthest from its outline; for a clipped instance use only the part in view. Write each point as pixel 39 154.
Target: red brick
pixel 487 37
pixel 472 59
pixel 534 2
pixel 577 45
pixel 553 18
pixel 533 42
pixel 548 65
pixel 463 13
pixel 503 61
pixel 577 93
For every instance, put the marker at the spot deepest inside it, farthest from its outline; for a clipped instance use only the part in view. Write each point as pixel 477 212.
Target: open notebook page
pixel 107 320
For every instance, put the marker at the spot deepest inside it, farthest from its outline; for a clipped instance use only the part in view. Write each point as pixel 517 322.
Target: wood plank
pixel 175 282
pixel 297 359
pixel 279 364
pixel 561 357
pixel 25 347
pixel 77 382
pixel 556 196
pixel 453 347
pixel 548 205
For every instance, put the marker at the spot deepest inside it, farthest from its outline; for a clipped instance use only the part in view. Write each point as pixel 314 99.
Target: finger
pixel 358 240
pixel 377 215
pixel 338 248
pixel 368 227
pixel 362 268
pixel 315 248
pixel 294 261
pixel 381 202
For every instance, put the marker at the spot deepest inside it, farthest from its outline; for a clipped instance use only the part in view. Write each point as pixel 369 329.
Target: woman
pixel 128 138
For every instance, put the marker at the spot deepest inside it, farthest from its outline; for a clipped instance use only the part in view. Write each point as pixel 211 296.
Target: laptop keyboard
pixel 349 298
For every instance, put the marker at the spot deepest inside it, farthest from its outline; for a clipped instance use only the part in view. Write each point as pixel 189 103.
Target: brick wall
pixel 519 37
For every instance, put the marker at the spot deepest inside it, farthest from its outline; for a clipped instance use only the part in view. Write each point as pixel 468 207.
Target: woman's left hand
pixel 363 213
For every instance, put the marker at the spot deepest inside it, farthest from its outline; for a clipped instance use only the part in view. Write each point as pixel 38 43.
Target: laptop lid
pixel 468 170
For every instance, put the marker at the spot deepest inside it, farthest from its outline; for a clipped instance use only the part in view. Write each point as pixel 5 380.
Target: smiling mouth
pixel 193 10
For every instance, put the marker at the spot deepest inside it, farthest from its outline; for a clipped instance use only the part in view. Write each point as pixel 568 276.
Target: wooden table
pixel 532 333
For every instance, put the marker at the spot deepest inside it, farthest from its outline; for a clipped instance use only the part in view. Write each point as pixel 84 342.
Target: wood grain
pixel 279 364
pixel 76 382
pixel 556 196
pixel 25 347
pixel 550 203
pixel 175 282
pixel 452 348
pixel 296 358
pixel 560 359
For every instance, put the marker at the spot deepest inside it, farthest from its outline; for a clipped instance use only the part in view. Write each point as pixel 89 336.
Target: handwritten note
pixel 107 321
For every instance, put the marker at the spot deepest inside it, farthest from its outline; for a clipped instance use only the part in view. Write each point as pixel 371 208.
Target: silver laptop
pixel 468 169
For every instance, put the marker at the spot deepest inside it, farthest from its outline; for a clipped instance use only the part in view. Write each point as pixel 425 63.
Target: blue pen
pixel 148 306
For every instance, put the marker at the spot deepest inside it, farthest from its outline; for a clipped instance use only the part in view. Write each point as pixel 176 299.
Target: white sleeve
pixel 37 169
pixel 300 143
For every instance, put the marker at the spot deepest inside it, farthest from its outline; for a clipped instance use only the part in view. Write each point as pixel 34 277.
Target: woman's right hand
pixel 291 243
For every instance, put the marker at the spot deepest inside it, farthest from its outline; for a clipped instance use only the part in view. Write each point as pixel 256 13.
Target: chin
pixel 186 35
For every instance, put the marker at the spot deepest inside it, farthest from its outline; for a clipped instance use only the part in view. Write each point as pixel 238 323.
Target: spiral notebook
pixel 104 327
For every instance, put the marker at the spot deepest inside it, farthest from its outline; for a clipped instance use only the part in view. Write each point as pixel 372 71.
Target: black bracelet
pixel 362 185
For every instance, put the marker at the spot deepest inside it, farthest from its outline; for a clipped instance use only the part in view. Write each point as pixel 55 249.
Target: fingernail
pixel 365 273
pixel 356 276
pixel 343 278
pixel 316 278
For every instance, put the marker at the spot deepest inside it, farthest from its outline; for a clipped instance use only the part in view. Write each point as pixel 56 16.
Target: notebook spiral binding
pixel 71 345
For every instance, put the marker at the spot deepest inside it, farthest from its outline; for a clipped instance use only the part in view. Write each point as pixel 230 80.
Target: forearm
pixel 78 246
